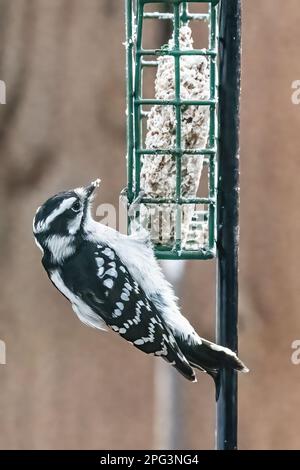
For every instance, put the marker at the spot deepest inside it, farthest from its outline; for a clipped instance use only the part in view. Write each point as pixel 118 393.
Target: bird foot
pixel 135 203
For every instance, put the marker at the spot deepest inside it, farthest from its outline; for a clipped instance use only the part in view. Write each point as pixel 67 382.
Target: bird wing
pixel 137 255
pixel 106 286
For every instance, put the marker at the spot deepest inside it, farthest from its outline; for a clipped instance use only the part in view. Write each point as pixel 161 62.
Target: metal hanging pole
pixel 228 215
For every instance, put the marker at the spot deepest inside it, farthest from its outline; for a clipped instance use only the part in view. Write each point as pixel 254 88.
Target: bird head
pixel 61 219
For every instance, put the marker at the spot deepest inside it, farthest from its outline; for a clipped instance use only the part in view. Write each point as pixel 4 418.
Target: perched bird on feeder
pixel 114 281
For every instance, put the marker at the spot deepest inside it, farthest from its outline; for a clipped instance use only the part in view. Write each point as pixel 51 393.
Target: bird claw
pixel 135 203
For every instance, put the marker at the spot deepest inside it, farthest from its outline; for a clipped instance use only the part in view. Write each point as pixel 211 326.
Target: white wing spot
pixel 108 252
pixel 100 262
pixel 112 272
pixel 100 271
pixel 124 297
pixel 163 352
pixel 139 342
pixel 122 331
pixel 120 305
pixel 117 313
pixel 108 283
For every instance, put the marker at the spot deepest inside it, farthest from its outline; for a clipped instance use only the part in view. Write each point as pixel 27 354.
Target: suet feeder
pixel 185 211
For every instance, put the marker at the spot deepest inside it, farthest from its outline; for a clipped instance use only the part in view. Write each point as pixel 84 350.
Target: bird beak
pixel 89 190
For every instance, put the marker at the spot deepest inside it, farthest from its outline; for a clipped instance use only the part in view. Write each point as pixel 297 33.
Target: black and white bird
pixel 114 281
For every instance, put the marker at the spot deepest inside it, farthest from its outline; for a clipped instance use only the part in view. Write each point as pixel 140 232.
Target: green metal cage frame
pixel 135 17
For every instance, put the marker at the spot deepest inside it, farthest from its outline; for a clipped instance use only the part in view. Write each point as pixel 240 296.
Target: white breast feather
pixel 60 247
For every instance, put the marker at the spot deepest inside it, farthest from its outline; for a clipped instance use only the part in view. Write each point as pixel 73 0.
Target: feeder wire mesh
pixel 182 242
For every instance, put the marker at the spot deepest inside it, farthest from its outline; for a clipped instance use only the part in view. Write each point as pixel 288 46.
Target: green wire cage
pixel 140 58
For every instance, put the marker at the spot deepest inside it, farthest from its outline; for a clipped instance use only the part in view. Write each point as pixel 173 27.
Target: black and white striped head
pixel 61 219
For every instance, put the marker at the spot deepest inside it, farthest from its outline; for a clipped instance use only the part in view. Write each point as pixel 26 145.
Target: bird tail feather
pixel 185 369
pixel 212 357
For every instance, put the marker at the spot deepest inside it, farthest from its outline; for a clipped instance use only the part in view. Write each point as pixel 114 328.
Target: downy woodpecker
pixel 114 281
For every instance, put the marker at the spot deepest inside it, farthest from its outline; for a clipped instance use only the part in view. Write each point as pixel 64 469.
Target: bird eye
pixel 76 206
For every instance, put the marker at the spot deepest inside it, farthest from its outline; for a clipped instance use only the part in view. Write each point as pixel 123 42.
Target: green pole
pixel 228 215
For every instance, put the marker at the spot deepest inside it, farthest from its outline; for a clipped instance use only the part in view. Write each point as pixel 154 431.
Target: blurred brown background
pixel 67 386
